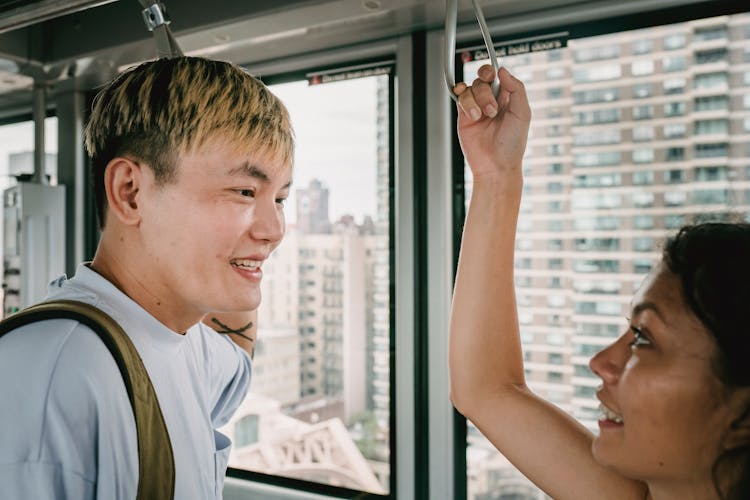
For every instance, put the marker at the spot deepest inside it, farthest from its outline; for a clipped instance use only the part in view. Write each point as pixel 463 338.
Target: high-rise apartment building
pixel 380 320
pixel 312 209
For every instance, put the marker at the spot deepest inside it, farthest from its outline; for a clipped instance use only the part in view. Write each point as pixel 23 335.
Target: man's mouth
pixel 246 263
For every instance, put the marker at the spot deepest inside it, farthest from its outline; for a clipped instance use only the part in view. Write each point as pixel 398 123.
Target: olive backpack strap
pixel 156 474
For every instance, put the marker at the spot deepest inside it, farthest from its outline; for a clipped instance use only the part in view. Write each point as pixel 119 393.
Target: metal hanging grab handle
pixel 157 21
pixel 451 21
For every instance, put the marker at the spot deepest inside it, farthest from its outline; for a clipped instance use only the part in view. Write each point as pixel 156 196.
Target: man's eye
pixel 639 339
pixel 281 201
pixel 249 193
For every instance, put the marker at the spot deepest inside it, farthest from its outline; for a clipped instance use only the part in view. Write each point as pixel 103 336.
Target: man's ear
pixel 122 183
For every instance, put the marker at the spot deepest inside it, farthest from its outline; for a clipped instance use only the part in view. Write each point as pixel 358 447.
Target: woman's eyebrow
pixel 650 306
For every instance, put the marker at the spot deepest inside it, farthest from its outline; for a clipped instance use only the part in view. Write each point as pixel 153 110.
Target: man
pixel 192 163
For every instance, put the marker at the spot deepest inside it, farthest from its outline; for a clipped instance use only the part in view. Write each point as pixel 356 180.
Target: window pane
pixel 644 155
pixel 319 402
pixel 17 157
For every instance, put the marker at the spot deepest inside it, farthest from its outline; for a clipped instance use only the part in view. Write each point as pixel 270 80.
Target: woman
pixel 675 396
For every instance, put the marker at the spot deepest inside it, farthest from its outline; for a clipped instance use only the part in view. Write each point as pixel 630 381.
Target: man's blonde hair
pixel 162 108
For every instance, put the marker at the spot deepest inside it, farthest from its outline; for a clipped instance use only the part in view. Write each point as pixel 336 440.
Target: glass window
pixel 642 46
pixel 713 150
pixel 674 176
pixel 674 130
pixel 643 221
pixel 624 198
pixel 675 198
pixel 674 221
pixel 596 95
pixel 643 177
pixel 597 180
pixel 643 90
pixel 643 112
pixel 597 244
pixel 675 41
pixel 598 137
pixel 711 80
pixel 586 54
pixel 596 223
pixel 641 67
pixel 556 73
pixel 598 73
pixel 324 373
pixel 643 199
pixel 708 127
pixel 712 56
pixel 246 431
pixel 674 86
pixel 640 134
pixel 596 265
pixel 643 155
pixel 674 109
pixel 674 63
pixel 711 33
pixel 17 160
pixel 676 153
pixel 711 103
pixel 597 159
pixel 597 116
pixel 710 196
pixel 643 244
pixel 703 174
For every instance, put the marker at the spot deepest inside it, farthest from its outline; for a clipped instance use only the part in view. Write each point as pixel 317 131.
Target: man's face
pixel 207 233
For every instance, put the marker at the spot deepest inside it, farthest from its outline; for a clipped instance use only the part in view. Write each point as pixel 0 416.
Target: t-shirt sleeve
pixel 230 368
pixel 66 425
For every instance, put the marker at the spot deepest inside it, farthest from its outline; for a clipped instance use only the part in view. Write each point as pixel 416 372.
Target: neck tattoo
pixel 229 330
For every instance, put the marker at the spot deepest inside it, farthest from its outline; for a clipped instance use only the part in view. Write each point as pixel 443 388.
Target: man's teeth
pixel 610 415
pixel 250 264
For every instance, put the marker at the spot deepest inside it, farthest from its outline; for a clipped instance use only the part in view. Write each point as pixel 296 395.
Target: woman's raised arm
pixel 485 357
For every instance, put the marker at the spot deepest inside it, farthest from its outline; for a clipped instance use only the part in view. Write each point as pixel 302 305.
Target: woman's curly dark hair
pixel 712 261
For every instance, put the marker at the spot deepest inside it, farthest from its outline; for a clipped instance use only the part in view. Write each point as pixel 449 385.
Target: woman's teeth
pixel 609 414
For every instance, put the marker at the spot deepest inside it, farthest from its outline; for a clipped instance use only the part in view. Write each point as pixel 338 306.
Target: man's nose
pixel 268 222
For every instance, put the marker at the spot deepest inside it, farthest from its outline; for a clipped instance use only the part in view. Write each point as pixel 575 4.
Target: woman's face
pixel 665 412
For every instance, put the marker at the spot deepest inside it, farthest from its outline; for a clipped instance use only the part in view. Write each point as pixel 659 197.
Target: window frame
pixel 601 23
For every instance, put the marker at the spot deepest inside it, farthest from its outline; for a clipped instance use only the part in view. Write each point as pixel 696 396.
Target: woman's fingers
pixel 467 104
pixel 518 102
pixel 484 98
pixel 477 100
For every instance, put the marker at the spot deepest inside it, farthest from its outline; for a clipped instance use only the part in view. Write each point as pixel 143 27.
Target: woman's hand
pixel 493 131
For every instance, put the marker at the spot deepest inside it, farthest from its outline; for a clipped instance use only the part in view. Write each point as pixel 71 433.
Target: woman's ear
pixel 738 433
pixel 122 183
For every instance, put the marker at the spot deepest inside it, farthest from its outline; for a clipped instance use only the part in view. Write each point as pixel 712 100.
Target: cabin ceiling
pixel 87 41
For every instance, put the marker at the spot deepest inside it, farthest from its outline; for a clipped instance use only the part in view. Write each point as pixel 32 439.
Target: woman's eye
pixel 639 339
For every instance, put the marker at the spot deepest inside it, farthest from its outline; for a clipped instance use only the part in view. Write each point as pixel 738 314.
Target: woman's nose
pixel 610 361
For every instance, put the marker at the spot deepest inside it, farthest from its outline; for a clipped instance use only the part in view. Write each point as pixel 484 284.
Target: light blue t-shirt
pixel 66 425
